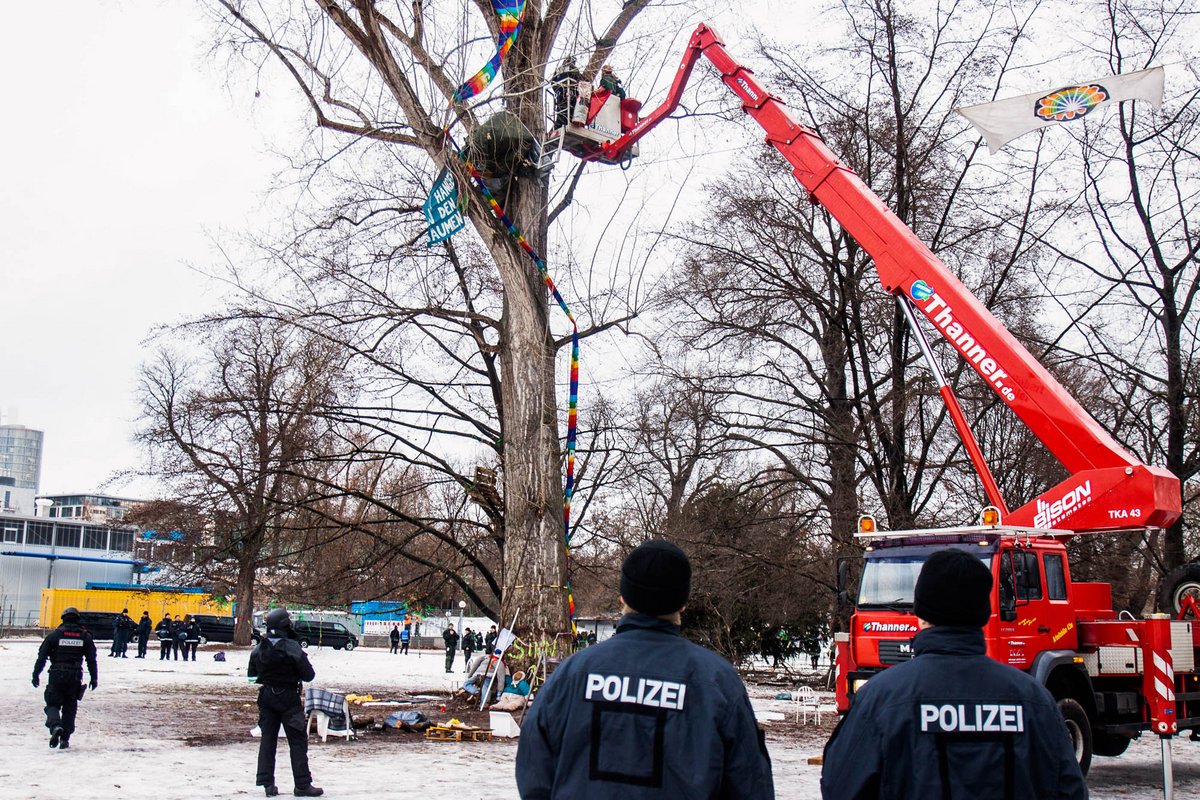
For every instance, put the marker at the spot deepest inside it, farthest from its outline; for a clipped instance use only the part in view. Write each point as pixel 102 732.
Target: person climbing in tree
pixel 610 81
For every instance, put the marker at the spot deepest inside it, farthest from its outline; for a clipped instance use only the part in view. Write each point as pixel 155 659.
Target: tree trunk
pixel 244 595
pixel 535 569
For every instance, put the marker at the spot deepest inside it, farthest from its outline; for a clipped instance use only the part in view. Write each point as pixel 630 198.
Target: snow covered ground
pixel 181 730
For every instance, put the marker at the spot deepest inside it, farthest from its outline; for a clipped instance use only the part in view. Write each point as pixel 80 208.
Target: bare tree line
pixel 786 396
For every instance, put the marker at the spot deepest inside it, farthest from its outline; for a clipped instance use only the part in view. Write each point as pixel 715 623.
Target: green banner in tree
pixel 442 209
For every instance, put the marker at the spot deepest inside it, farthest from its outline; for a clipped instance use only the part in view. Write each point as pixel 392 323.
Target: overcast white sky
pixel 121 152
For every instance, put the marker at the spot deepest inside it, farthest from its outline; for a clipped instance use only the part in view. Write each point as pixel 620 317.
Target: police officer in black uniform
pixel 165 637
pixel 646 713
pixel 952 722
pixel 67 647
pixel 279 665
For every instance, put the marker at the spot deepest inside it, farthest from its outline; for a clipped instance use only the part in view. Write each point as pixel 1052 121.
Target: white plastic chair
pixel 806 702
pixel 323 719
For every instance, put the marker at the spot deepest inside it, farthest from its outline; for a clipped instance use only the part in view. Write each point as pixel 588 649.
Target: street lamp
pixel 462 606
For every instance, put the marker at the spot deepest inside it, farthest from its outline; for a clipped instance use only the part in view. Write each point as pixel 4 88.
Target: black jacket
pixel 646 714
pixel 143 628
pixel 163 630
pixel 951 710
pixel 450 638
pixel 191 631
pixel 394 635
pixel 279 662
pixel 67 647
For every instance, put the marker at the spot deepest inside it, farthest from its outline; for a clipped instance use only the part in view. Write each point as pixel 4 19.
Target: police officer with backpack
pixel 279 665
pixel 67 647
pixel 952 722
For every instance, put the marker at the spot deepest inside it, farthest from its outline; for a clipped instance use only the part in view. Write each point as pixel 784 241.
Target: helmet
pixel 278 619
pixel 72 612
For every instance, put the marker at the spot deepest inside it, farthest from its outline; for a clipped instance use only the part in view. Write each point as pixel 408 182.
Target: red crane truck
pixel 1113 677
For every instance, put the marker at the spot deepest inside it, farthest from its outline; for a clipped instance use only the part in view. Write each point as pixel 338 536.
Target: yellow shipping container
pixel 136 600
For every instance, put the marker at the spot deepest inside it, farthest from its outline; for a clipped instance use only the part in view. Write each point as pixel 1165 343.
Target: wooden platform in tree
pixel 440 733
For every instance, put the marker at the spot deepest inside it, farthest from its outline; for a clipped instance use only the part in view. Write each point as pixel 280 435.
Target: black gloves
pixel 36 681
pixel 93 684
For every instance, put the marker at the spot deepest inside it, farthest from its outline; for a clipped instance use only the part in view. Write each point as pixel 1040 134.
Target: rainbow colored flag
pixel 510 15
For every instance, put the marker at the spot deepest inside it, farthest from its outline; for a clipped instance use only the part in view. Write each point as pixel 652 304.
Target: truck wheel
pixel 1080 730
pixel 1110 744
pixel 1180 583
pixel 350 645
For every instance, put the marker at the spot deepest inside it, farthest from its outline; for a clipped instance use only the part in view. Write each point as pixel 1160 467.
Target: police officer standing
pixel 451 640
pixel 646 713
pixel 279 665
pixel 952 722
pixel 143 633
pixel 165 637
pixel 67 647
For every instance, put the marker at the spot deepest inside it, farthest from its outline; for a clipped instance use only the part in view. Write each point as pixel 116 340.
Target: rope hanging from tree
pixel 510 15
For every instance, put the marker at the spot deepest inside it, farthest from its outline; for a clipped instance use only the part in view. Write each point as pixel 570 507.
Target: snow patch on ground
pixel 182 730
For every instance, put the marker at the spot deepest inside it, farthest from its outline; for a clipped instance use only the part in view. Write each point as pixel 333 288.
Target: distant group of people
pixel 176 636
pixel 124 629
pixel 471 641
pixel 400 638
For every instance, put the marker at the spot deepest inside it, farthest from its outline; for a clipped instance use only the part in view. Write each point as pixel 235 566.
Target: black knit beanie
pixel 656 578
pixel 954 588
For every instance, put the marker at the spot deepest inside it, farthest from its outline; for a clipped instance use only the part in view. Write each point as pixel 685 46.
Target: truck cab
pixel 1031 610
pixel 1064 634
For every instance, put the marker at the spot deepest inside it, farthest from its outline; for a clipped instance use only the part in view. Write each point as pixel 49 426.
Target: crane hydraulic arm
pixel 1108 488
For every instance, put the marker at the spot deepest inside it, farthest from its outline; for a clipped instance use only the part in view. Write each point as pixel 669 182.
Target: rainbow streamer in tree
pixel 573 398
pixel 510 15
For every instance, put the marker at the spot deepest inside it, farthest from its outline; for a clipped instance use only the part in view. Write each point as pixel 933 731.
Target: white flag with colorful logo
pixel 1004 120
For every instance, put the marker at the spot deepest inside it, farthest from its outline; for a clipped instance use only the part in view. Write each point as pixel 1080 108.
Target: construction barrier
pixel 136 600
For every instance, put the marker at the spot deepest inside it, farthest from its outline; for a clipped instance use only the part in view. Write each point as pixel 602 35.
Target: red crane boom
pixel 1108 488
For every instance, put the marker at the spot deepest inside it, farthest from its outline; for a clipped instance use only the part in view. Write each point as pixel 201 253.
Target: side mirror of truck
pixel 844 598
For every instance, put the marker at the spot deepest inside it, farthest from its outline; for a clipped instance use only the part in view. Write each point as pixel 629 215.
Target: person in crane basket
pixel 952 722
pixel 610 81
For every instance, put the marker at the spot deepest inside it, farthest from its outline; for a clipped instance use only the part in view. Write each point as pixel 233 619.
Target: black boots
pixel 55 736
pixel 272 790
pixel 308 791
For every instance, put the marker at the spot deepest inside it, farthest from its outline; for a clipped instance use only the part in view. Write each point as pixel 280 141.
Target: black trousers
pixel 276 707
pixel 450 658
pixel 143 641
pixel 190 647
pixel 164 649
pixel 395 645
pixel 62 700
pixel 404 648
pixel 467 657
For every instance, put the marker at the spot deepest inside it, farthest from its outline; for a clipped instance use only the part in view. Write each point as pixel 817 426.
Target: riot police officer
pixel 67 647
pixel 279 665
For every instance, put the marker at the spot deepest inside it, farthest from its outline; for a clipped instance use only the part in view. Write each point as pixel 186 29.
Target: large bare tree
pixel 234 431
pixel 383 73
